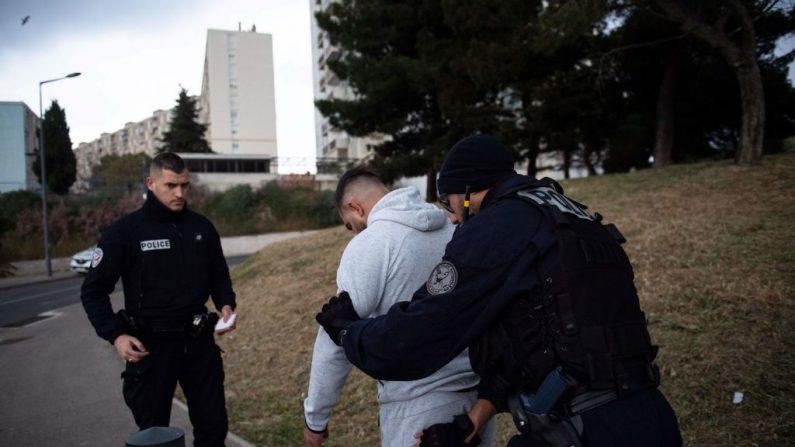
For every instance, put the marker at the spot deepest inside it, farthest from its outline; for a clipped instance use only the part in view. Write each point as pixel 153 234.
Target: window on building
pixel 196 165
pixel 228 165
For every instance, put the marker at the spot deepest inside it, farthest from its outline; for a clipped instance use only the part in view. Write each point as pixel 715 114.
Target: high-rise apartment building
pixel 143 136
pixel 335 148
pixel 18 144
pixel 237 100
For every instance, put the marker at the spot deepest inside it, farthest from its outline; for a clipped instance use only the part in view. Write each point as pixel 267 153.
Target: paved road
pixel 60 383
pixel 19 304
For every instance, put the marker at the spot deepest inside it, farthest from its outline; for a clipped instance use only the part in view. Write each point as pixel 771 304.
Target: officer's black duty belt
pixel 589 400
pixel 192 326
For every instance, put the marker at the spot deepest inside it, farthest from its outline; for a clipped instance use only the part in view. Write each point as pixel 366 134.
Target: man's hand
pixel 451 434
pixel 227 312
pixel 313 438
pixel 130 348
pixel 336 316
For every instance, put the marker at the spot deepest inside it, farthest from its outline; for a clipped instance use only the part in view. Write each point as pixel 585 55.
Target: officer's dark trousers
pixel 196 364
pixel 643 419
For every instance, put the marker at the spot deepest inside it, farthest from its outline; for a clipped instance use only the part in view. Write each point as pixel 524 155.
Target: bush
pixel 237 202
pixel 76 222
pixel 243 210
pixel 14 202
pixel 6 269
pixel 325 210
pixel 90 222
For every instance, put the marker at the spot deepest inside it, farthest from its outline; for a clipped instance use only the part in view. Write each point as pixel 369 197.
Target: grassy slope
pixel 713 247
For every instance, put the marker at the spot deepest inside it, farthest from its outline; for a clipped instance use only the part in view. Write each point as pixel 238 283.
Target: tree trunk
pixel 587 151
pixel 566 164
pixel 664 141
pixel 740 54
pixel 430 185
pixel 532 156
pixel 752 98
pixel 531 165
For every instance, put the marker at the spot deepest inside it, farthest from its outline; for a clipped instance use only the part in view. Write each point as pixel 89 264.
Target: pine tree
pixel 381 58
pixel 60 162
pixel 186 133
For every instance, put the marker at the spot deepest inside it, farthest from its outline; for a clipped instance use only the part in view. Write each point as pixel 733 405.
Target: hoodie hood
pixel 407 207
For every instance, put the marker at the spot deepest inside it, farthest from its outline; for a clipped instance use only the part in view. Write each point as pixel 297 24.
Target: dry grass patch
pixel 713 247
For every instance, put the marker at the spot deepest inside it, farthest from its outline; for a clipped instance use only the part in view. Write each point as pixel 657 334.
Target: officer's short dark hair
pixel 350 176
pixel 170 161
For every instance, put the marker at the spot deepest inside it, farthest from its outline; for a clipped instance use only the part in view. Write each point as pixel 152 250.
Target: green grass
pixel 713 247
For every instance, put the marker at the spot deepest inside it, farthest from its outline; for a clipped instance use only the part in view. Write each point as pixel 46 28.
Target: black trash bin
pixel 157 437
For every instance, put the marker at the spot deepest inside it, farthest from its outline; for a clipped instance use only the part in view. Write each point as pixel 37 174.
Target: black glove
pixel 451 434
pixel 336 316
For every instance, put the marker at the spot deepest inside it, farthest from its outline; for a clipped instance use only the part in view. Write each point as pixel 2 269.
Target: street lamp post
pixel 42 158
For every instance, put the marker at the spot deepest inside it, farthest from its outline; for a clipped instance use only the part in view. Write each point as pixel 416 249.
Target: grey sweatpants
pixel 399 421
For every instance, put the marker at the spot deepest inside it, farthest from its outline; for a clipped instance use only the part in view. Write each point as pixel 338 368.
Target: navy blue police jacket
pixel 491 260
pixel 169 263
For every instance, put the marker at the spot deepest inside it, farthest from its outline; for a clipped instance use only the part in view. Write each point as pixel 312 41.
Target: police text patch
pixel 550 197
pixel 96 257
pixel 443 279
pixel 155 244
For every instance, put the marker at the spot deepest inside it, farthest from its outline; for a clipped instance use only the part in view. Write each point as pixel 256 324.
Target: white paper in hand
pixel 222 326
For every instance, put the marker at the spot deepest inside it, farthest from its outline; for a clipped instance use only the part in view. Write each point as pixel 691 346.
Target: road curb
pixel 18 281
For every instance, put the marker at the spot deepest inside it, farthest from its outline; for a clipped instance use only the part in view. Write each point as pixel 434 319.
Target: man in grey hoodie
pixel 398 240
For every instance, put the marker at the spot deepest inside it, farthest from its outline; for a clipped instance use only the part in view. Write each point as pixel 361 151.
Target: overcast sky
pixel 134 55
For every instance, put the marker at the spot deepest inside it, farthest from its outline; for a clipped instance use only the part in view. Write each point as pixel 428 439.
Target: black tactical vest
pixel 584 316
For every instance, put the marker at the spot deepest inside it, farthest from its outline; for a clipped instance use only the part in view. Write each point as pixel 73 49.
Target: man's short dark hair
pixel 350 176
pixel 170 161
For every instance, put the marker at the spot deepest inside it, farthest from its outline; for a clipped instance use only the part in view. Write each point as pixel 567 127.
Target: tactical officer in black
pixel 542 293
pixel 170 261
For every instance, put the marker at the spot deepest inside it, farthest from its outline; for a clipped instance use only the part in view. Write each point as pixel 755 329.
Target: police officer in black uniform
pixel 542 293
pixel 170 261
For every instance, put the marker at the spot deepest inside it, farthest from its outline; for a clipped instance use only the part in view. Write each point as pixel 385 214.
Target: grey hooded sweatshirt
pixel 404 240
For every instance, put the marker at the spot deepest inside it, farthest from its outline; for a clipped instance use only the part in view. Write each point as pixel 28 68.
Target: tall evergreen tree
pixel 185 133
pixel 388 58
pixel 60 159
pixel 599 82
pixel 564 99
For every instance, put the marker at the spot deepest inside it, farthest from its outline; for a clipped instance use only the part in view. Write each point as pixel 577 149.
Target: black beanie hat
pixel 477 161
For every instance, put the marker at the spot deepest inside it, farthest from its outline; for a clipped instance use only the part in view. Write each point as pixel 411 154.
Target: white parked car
pixel 81 262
